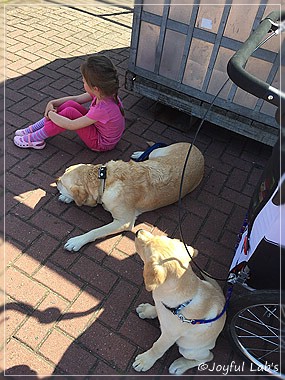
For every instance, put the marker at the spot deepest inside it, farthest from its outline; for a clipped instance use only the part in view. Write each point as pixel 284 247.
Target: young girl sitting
pixel 100 127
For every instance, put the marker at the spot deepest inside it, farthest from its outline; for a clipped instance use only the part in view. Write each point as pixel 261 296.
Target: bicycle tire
pixel 254 325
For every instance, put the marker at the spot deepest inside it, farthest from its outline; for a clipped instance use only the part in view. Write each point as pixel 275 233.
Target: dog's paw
pixel 146 310
pixel 179 366
pixel 143 362
pixel 74 244
pixel 65 199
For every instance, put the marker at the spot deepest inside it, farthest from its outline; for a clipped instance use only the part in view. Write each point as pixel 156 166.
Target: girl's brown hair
pixel 99 71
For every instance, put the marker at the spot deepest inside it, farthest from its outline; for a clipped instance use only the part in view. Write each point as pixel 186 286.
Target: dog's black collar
pixel 177 311
pixel 102 175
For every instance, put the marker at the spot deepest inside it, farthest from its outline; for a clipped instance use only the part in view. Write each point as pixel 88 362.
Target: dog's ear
pixel 154 275
pixel 79 194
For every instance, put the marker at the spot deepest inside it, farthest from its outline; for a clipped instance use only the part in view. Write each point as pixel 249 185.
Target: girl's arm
pixel 53 104
pixel 71 125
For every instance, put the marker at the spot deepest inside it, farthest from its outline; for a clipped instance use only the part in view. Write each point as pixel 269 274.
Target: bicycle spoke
pixel 271 312
pixel 257 323
pixel 261 322
pixel 253 335
pixel 268 353
pixel 263 349
pixel 254 351
pixel 259 336
pixel 257 330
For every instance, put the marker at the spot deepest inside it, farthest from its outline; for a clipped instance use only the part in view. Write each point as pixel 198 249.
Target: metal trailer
pixel 179 55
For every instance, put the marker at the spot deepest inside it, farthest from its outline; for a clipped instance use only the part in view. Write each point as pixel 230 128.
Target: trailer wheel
pixel 256 329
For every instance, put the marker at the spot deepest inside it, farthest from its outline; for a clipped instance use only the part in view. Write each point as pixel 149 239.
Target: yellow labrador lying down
pixel 168 274
pixel 130 188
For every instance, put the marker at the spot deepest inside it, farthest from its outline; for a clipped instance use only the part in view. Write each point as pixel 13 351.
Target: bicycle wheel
pixel 255 326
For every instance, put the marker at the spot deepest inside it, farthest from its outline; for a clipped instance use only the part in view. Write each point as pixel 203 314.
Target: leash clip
pixel 181 317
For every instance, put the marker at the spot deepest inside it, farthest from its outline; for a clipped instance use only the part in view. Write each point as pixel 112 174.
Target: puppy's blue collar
pixel 177 311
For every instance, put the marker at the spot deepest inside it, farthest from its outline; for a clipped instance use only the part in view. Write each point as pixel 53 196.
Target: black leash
pixel 181 185
pixel 186 160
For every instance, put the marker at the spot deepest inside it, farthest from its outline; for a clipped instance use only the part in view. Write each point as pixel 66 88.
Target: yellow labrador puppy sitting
pixel 191 311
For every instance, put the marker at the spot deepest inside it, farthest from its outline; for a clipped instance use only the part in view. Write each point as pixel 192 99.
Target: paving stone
pixel 22 288
pixel 214 224
pixel 79 217
pixel 55 226
pixel 28 232
pixel 117 306
pixel 21 361
pixel 125 266
pixel 77 361
pixel 215 183
pixel 229 239
pixel 85 308
pixel 236 218
pixel 235 197
pixel 95 274
pixel 190 227
pixel 145 333
pixel 12 251
pixel 108 345
pixel 36 255
pixel 14 317
pixel 99 249
pixel 60 341
pixel 126 244
pixel 211 248
pixel 104 369
pixel 39 324
pixel 60 282
pixel 62 258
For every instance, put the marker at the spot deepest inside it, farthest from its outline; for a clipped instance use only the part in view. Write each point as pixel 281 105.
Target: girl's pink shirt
pixel 109 121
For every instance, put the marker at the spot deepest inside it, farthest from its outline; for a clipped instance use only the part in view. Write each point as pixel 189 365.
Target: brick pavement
pixel 74 314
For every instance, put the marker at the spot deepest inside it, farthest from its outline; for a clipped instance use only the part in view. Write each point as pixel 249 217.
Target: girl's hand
pixel 49 107
pixel 49 112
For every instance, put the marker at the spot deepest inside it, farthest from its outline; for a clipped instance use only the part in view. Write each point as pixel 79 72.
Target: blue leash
pixel 147 152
